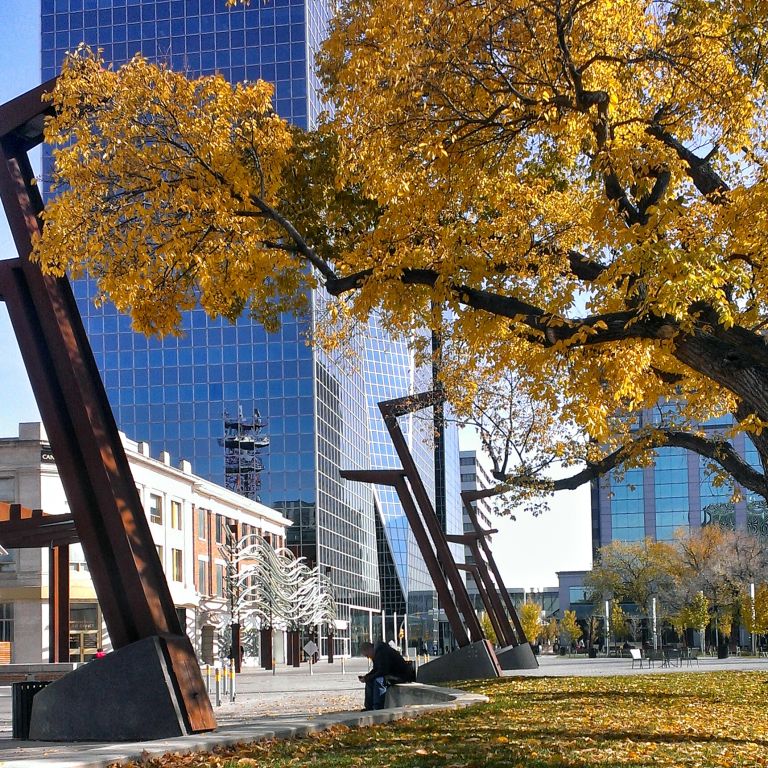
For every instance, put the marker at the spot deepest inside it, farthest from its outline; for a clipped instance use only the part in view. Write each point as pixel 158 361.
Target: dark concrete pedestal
pixel 126 696
pixel 517 657
pixel 472 662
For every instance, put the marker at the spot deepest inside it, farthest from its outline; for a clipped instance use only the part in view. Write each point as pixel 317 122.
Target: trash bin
pixel 722 651
pixel 21 706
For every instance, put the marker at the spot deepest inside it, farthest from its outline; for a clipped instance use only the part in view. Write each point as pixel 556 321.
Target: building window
pixel 155 509
pixel 202 528
pixel 219 580
pixel 202 577
pixel 6 622
pixel 578 595
pixel 176 515
pixel 7 489
pixel 671 491
pixel 177 565
pixel 160 553
pixel 627 516
pixel 219 529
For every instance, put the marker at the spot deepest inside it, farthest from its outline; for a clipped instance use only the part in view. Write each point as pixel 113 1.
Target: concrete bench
pixel 419 694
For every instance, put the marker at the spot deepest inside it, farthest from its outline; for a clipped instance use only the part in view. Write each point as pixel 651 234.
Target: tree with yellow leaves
pixel 530 618
pixel 570 627
pixel 696 615
pixel 579 186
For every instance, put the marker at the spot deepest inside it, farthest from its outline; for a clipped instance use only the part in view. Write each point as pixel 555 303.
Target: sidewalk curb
pixel 288 727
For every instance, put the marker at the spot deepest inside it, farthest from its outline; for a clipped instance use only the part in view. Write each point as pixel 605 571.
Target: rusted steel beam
pixel 504 631
pixel 58 604
pixel 498 628
pixel 391 410
pixel 396 479
pixel 468 497
pixel 94 470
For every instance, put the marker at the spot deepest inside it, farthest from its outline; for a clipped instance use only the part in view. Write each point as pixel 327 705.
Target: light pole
pixel 653 625
pixel 607 627
pixel 752 610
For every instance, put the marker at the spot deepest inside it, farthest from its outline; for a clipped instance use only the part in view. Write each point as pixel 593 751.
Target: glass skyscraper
pixel 186 395
pixel 674 492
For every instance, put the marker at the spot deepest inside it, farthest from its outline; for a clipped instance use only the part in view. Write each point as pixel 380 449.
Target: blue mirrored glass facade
pixel 183 394
pixel 676 492
pixel 405 583
pixel 174 393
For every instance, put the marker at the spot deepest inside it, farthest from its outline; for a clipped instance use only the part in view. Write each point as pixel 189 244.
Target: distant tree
pixel 487 627
pixel 632 572
pixel 619 625
pixel 530 618
pixel 696 614
pixel 754 614
pixel 570 626
pixel 551 631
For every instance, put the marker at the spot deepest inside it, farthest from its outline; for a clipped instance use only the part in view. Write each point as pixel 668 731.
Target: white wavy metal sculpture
pixel 276 587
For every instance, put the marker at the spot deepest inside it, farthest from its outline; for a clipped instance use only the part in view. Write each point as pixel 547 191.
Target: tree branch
pixel 703 176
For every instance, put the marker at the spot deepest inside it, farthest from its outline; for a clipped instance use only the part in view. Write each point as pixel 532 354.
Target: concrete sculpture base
pixel 472 662
pixel 126 696
pixel 517 657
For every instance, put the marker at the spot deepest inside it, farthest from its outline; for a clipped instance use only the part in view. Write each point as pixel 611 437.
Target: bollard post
pixel 218 688
pixel 208 679
pixel 310 666
pixel 274 666
pixel 343 671
pixel 232 678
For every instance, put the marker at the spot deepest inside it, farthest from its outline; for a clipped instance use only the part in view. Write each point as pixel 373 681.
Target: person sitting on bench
pixel 389 668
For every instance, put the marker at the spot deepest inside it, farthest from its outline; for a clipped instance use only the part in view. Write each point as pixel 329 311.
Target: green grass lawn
pixel 664 721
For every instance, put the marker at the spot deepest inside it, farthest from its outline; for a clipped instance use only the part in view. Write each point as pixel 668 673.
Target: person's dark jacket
pixel 388 663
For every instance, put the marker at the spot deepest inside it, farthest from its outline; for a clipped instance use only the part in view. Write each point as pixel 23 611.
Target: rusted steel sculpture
pixel 430 538
pixel 433 542
pixel 22 528
pixel 106 508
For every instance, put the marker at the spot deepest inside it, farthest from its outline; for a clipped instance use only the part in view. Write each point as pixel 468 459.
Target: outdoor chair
pixel 637 656
pixel 674 657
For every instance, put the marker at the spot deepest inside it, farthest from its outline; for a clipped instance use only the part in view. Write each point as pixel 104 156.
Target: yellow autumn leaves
pixel 164 190
pixel 704 720
pixel 474 153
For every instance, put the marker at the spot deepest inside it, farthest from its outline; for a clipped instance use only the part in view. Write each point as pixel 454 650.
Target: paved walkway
pixel 294 703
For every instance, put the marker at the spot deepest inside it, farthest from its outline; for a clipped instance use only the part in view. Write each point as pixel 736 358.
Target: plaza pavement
pixel 293 703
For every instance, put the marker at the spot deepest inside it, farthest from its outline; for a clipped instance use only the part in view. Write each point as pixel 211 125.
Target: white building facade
pixel 188 517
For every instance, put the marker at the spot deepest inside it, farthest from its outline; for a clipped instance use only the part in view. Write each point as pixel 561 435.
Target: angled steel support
pixel 487 588
pixel 107 511
pixel 391 410
pixel 396 479
pixel 58 604
pixel 468 497
pixel 498 628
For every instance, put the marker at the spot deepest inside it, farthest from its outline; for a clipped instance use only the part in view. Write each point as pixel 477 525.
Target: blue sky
pixel 19 71
pixel 528 550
